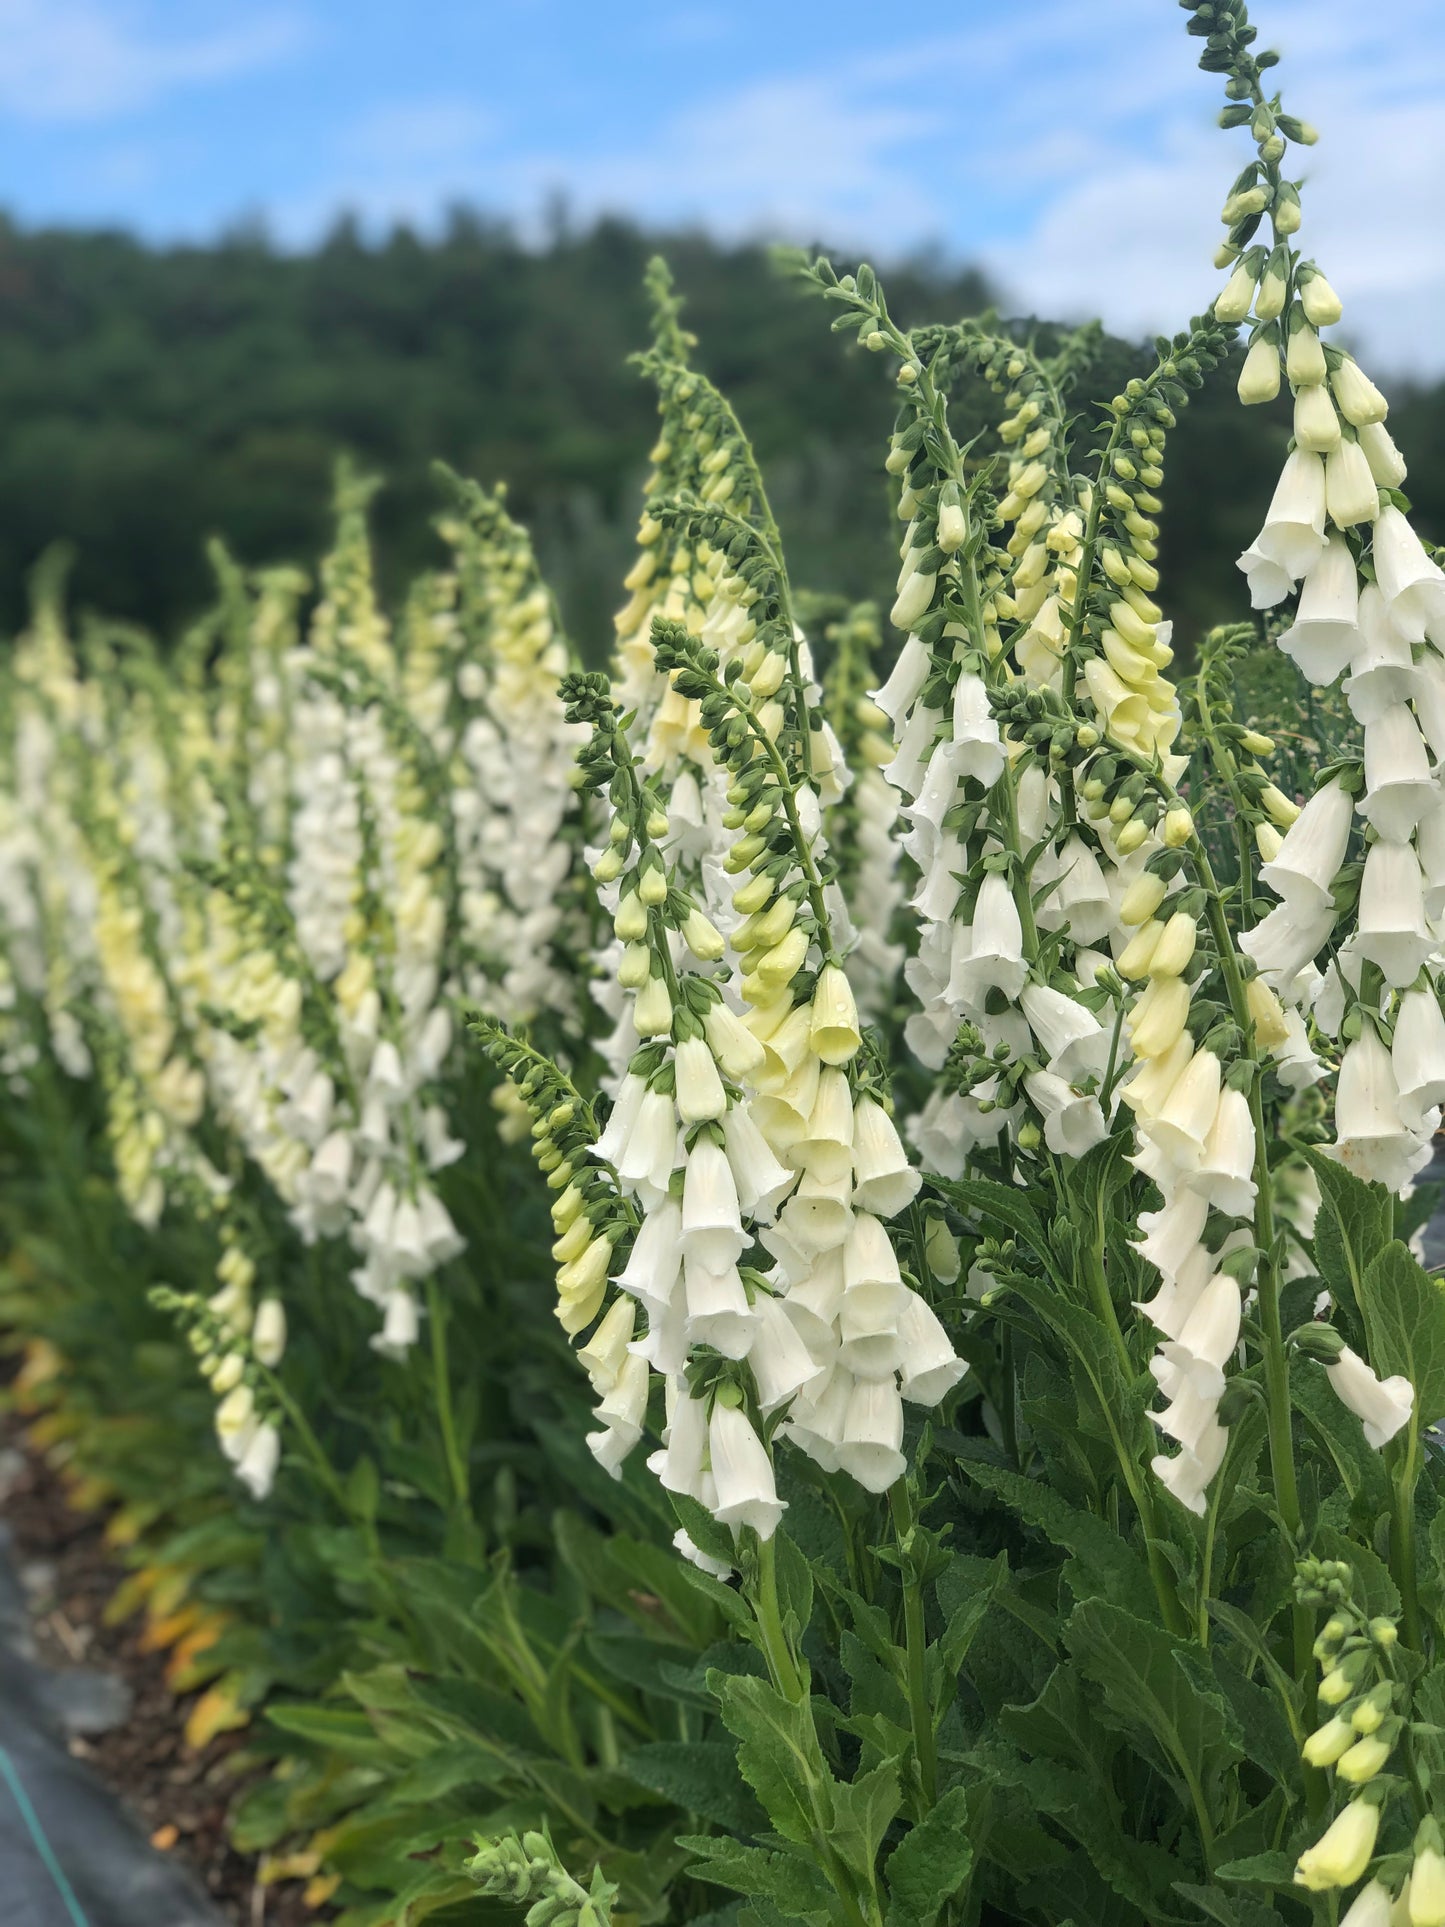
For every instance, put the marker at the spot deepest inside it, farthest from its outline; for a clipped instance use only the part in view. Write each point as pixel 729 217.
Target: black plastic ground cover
pixel 70 1856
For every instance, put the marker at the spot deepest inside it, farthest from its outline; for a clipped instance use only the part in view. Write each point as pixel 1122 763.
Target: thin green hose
pixel 42 1844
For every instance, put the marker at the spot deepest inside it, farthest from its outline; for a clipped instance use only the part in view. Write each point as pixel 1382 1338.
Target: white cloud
pixel 81 60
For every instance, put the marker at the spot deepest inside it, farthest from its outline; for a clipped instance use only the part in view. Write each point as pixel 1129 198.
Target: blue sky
pixel 1068 145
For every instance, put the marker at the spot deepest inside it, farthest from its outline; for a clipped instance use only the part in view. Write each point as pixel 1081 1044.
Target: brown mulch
pixel 179 1797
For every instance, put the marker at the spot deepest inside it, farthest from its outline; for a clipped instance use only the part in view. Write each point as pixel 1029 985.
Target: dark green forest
pixel 152 397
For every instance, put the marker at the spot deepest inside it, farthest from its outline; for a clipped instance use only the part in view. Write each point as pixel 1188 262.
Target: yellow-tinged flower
pixel 1329 1742
pixel 1341 1854
pixel 1427 1889
pixel 834 1025
pixel 1159 1017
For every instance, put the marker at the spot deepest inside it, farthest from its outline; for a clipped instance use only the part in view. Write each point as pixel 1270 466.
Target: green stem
pixel 925 1745
pixel 441 1374
pixel 1402 1536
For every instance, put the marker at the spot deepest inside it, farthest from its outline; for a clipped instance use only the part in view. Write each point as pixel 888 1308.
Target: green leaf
pixel 1156 1686
pixel 1106 1563
pixel 1001 1206
pixel 341 1729
pixel 1259 1870
pixel 777 1752
pixel 791 1882
pixel 930 1864
pixel 701 1777
pixel 1404 1313
pixel 864 1808
pixel 1350 1229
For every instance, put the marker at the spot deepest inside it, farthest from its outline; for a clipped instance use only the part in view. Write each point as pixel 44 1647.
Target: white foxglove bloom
pixel 1073 1124
pixel 883 1179
pixel 868 1256
pixel 622 1413
pixel 400 1326
pixel 1413 586
pixel 655 1261
pixel 928 1366
pixel 935 799
pixel 1225 1175
pixel 746 1492
pixel 1172 1234
pixel 975 732
pixel 1267 581
pixel 256 1467
pixel 781 1363
pixel 700 1094
pixel 1372 1906
pixel 718 1311
pixel 988 953
pixel 870 1449
pixel 870 1345
pixel 605 1352
pixel 440 1238
pixel 1313 851
pixel 1081 901
pixel 1383 1406
pixel 814 1299
pixel 1294 527
pixel 1188 1417
pixel 1417 1055
pixel 1325 634
pixel 1392 931
pixel 1372 1139
pixel 712 1228
pixel 679 1466
pixel 1289 938
pixel 1400 786
pixel 1350 492
pixel 618 1128
pixel 905 682
pixel 683 1542
pixel 738 1051
pixel 1168 1310
pixel 1071 1037
pixel 1181 1125
pixel 1209 1337
pixel 762 1182
pixel 1429 698
pixel 1294 1059
pixel 1188 1473
pixel 1383 673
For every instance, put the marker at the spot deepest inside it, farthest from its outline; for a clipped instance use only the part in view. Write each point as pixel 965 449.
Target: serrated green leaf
pixel 777 1753
pixel 1259 1870
pixel 791 1882
pixel 1107 1563
pixel 930 1864
pixel 1352 1226
pixel 702 1777
pixel 1404 1314
pixel 1001 1206
pixel 864 1808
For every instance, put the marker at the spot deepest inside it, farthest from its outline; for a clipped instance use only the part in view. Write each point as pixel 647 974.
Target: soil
pixel 180 1798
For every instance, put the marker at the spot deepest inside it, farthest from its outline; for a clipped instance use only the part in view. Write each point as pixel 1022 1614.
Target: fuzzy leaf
pixel 1104 1560
pixel 777 1754
pixel 1351 1227
pixel 702 1777
pixel 1404 1313
pixel 792 1883
pixel 930 1864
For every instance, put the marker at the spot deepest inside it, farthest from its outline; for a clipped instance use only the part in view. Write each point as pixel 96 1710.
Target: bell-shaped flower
pixel 884 1180
pixel 1267 580
pixel 1359 399
pixel 870 1449
pixel 1187 1474
pixel 747 1494
pixel 605 1352
pixel 400 1326
pixel 700 1093
pixel 1295 1062
pixel 1080 901
pixel 439 1236
pixel 1325 634
pixel 256 1467
pixel 1383 1406
pixel 738 1051
pixel 1172 1235
pixel 1188 1417
pixel 928 1366
pixel 826 1145
pixel 1073 1123
pixel 1183 1120
pixel 622 1413
pixel 814 1299
pixel 1071 1037
pixel 816 1420
pixel 1413 586
pixel 819 1214
pixel 1316 425
pixel 762 1182
pixel 988 953
pixel 1209 1337
pixel 1372 1906
pixel 1383 674
pixel 942 881
pixel 1313 851
pixel 1294 526
pixel 1225 1174
pixel 1425 1905
pixel 655 1261
pixel 1168 1310
pixel 718 1311
pixel 712 1230
pixel 1351 495
pixel 1157 1018
pixel 1152 1082
pixel 1428 695
pixel 975 732
pixel 905 681
pixel 1392 931
pixel 935 799
pixel 1286 940
pixel 781 1362
pixel 1372 1138
pixel 1343 1850
pixel 1417 1055
pixel 833 1027
pixel 869 1342
pixel 678 1467
pixel 1400 787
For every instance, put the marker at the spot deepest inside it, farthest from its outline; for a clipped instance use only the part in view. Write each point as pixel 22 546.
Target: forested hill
pixel 150 397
